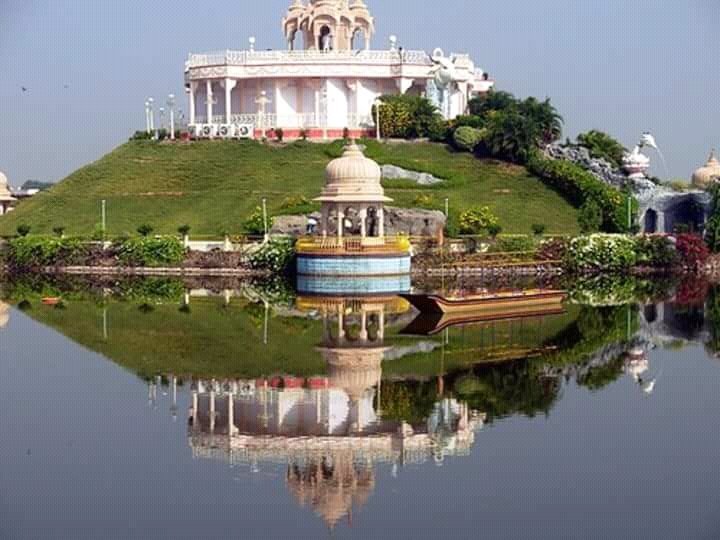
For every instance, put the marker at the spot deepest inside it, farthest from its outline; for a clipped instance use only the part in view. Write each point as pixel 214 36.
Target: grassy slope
pixel 214 186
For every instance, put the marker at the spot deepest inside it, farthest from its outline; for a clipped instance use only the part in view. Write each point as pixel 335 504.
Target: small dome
pixel 353 166
pixel 707 175
pixel 5 194
pixel 353 178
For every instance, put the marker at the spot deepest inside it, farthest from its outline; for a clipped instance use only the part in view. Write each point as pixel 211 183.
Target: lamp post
pixel 147 116
pixel 104 220
pixel 171 108
pixel 161 112
pixel 265 219
pixel 151 102
pixel 378 103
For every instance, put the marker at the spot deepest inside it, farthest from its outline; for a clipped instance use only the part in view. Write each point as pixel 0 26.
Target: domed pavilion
pixel 6 198
pixel 351 239
pixel 707 175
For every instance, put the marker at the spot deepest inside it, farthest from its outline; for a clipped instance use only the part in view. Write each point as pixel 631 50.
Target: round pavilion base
pixel 349 265
pixel 353 286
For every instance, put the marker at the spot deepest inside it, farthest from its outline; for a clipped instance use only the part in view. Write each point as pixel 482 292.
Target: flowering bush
pixel 553 250
pixel 255 224
pixel 656 252
pixel 607 252
pixel 275 256
pixel 692 250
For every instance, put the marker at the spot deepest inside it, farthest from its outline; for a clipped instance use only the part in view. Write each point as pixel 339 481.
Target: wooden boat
pixel 505 302
pixel 51 301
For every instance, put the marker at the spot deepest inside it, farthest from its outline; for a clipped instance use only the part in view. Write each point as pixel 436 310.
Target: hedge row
pixel 581 188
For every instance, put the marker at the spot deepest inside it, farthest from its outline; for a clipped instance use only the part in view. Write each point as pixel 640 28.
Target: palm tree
pixel 545 116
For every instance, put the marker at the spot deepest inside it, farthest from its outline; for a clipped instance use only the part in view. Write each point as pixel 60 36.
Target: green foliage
pixel 255 224
pixel 603 146
pixel 712 228
pixel 141 136
pixel 590 217
pixel 144 251
pixel 408 117
pixel 467 138
pixel 477 220
pixel 538 229
pixel 37 251
pixel 275 256
pixel 151 290
pixel 511 135
pixel 513 244
pixel 424 201
pixel 494 229
pixel 144 230
pixel 293 201
pixel 601 252
pixel 656 252
pixel 59 231
pixel 23 230
pixel 492 101
pixel 184 230
pixel 580 187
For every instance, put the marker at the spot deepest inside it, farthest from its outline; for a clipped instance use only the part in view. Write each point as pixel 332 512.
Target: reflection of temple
pixel 328 430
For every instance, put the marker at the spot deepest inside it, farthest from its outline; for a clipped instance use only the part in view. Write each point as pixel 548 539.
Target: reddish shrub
pixel 693 251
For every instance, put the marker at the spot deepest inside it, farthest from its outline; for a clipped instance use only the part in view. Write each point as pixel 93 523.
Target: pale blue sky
pixel 623 66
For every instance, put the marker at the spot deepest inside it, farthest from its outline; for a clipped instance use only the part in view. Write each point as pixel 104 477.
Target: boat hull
pixel 505 303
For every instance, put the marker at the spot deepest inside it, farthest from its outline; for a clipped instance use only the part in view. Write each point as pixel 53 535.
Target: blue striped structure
pixel 353 266
pixel 333 286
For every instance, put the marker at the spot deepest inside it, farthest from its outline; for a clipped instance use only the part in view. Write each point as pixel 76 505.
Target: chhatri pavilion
pixel 6 198
pixel 327 80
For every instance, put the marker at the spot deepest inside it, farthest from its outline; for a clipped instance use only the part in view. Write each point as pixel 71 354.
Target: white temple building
pixel 326 81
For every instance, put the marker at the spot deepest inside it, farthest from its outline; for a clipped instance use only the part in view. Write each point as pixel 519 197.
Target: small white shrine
pixel 6 198
pixel 325 83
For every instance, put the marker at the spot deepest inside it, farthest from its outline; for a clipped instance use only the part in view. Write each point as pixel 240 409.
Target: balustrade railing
pixel 242 58
pixel 299 120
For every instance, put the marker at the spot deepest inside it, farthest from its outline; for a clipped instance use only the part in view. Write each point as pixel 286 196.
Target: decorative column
pixel 381 222
pixel 381 325
pixel 324 221
pixel 363 222
pixel 209 101
pixel 194 408
pixel 358 85
pixel 341 323
pixel 341 222
pixel 229 85
pixel 191 96
pixel 231 414
pixel 212 410
pixel 317 107
pixel 363 326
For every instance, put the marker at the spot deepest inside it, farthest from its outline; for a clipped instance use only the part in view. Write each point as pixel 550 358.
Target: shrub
pixel 303 134
pixel 655 251
pixel 255 223
pixel 712 228
pixel 608 252
pixel 141 136
pixel 408 117
pixel 59 231
pixel 538 229
pixel 144 251
pixel 36 251
pixel 590 217
pixel 293 201
pixel 603 146
pixel 274 256
pixel 346 133
pixel 477 220
pixel 579 186
pixel 467 138
pixel 424 201
pixel 23 230
pixel 692 250
pixel 145 230
pixel 494 230
pixel 279 134
pixel 183 230
pixel 513 244
pixel 438 129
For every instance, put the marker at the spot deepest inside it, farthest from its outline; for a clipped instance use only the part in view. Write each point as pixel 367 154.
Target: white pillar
pixel 278 91
pixel 324 219
pixel 209 101
pixel 194 408
pixel 358 86
pixel 191 97
pixel 341 222
pixel 212 409
pixel 363 222
pixel 229 85
pixel 381 222
pixel 231 414
pixel 317 107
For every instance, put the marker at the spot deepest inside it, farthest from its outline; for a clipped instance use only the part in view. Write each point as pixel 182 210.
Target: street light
pixel 147 116
pixel 161 112
pixel 151 102
pixel 171 108
pixel 378 103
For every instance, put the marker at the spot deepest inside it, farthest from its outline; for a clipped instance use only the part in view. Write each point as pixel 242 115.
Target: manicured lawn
pixel 214 186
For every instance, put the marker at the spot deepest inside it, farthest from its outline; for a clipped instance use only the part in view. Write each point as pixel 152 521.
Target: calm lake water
pixel 157 409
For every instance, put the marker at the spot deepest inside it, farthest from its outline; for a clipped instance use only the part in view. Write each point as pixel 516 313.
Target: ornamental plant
pixel 693 251
pixel 255 223
pixel 144 251
pixel 274 256
pixel 477 220
pixel 656 252
pixel 467 138
pixel 601 252
pixel 37 251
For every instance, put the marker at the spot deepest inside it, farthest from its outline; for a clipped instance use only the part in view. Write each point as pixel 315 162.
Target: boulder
pixel 292 225
pixel 391 172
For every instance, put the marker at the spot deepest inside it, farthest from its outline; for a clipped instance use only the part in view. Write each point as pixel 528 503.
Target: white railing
pixel 299 120
pixel 245 58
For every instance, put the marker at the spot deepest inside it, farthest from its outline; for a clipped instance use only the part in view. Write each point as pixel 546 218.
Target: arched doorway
pixel 325 39
pixel 651 222
pixel 358 39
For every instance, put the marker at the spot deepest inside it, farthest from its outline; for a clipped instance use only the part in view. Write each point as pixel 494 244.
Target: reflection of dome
pixel 709 173
pixel 4 314
pixel 354 370
pixel 332 486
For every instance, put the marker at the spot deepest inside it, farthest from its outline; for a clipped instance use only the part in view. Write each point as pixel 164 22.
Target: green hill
pixel 214 186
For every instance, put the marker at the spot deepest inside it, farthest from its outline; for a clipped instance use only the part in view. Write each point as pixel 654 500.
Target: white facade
pixel 326 87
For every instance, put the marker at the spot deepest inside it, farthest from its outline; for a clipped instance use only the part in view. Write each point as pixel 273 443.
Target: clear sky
pixel 624 66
